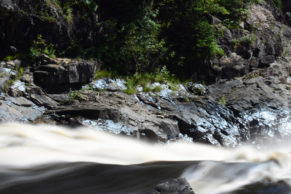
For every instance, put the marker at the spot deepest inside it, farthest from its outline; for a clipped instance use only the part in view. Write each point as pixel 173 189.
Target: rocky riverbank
pixel 252 108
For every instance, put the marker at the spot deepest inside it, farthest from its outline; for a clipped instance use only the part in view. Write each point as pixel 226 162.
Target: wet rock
pixel 254 107
pixel 17 88
pixel 108 84
pixel 108 126
pixel 64 74
pixel 280 187
pixel 209 122
pixel 19 109
pixel 174 186
pixel 197 89
pixel 260 102
pixel 147 135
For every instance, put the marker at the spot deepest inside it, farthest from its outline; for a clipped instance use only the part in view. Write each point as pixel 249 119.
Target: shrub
pixel 146 79
pixel 222 101
pixel 135 46
pixel 40 47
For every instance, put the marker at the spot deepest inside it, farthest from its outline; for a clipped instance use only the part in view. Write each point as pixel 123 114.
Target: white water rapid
pixel 209 170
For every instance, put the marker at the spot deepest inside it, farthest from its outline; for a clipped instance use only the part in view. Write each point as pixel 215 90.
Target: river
pixel 52 159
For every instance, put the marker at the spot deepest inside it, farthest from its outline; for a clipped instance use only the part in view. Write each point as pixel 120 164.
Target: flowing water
pixel 50 159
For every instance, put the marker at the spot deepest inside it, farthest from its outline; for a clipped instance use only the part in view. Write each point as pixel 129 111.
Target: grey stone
pixel 174 186
pixel 63 75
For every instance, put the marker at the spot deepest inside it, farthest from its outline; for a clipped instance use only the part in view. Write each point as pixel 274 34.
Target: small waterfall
pixel 51 159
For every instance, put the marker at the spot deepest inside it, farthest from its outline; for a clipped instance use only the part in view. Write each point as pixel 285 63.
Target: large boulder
pixel 58 75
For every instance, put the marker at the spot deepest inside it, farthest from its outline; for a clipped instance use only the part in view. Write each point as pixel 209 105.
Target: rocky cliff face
pixel 252 107
pixel 257 43
pixel 22 20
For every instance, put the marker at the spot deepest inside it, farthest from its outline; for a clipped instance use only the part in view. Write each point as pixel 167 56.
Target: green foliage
pixel 157 89
pixel 11 81
pixel 67 7
pixel 238 10
pixel 141 45
pixel 131 86
pixel 12 57
pixel 40 47
pixel 141 36
pixel 245 41
pixel 91 5
pixel 67 12
pixel 105 74
pixel 222 101
pixel 72 95
pixel 278 3
pixel 134 45
pixel 76 50
pixel 19 73
pixel 3 74
pixel 145 80
pixel 189 36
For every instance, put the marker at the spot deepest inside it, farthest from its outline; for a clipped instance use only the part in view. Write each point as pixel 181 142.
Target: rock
pixel 248 109
pixel 43 100
pixel 108 84
pixel 89 111
pixel 4 78
pixel 247 49
pixel 19 109
pixel 259 102
pixel 197 89
pixel 21 101
pixel 148 135
pixel 108 126
pixel 174 186
pixel 17 88
pixel 63 75
pixel 212 19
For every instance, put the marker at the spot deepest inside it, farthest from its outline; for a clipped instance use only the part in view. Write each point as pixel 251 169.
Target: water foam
pixel 217 170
